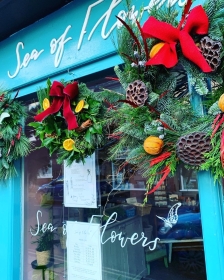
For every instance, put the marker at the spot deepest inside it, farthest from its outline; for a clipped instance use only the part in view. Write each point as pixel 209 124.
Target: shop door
pixel 117 238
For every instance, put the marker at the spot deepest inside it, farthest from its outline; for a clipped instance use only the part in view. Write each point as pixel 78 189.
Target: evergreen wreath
pixel 13 143
pixel 155 122
pixel 70 121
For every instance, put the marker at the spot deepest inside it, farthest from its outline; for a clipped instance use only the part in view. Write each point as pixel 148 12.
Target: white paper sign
pixel 83 251
pixel 80 184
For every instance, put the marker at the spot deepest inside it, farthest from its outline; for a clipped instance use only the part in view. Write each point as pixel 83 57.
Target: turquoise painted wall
pixel 80 57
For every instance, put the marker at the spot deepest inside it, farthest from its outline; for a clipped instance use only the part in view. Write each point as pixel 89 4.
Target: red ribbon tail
pixel 165 172
pixel 191 52
pixel 55 107
pixel 69 115
pixel 166 56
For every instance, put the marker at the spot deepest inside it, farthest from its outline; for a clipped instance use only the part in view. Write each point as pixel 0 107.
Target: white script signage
pixel 56 46
pixel 134 239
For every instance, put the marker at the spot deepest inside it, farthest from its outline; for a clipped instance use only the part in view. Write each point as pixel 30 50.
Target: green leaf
pixel 86 106
pixel 5 164
pixel 47 141
pixel 76 150
pixel 88 136
pixel 98 128
pixel 35 124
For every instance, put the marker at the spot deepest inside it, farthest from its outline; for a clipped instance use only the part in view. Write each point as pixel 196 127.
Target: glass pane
pixel 118 238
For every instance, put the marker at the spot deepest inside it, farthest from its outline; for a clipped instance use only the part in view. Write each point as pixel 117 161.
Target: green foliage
pixel 53 131
pixel 215 12
pixel 213 161
pixel 13 143
pixel 44 240
pixel 162 115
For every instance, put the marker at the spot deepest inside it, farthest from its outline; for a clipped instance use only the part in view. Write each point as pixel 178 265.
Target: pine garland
pixel 13 143
pixel 162 115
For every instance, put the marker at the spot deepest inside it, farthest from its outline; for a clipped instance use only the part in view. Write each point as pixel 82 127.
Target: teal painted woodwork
pixel 11 227
pixel 79 58
pixel 211 208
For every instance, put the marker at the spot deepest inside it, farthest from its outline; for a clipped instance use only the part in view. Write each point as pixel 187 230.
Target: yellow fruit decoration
pixel 79 106
pixel 153 145
pixel 221 103
pixel 155 49
pixel 46 103
pixel 68 144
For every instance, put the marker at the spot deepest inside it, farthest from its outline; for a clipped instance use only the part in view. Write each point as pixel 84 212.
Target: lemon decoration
pixel 155 49
pixel 79 106
pixel 46 103
pixel 68 144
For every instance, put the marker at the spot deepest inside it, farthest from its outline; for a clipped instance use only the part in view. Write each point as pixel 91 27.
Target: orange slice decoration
pixel 68 144
pixel 46 103
pixel 79 106
pixel 155 49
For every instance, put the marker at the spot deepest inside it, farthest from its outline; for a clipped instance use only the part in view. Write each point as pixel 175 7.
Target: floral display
pixel 167 62
pixel 69 121
pixel 13 142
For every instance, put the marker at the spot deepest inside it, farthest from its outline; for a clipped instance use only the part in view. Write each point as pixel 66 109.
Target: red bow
pixel 62 96
pixel 196 22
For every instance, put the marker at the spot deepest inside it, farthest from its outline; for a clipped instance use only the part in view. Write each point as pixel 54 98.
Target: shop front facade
pixel 92 213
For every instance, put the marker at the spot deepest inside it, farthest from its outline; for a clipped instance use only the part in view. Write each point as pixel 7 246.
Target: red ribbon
pixel 62 96
pixel 196 22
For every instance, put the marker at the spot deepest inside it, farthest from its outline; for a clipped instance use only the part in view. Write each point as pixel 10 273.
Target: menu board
pixel 80 184
pixel 83 251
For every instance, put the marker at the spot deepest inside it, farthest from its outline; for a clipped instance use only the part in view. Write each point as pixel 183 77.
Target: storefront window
pixel 91 221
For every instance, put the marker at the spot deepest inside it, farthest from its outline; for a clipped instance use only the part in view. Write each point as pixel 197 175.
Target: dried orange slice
pixel 46 103
pixel 155 49
pixel 79 106
pixel 68 144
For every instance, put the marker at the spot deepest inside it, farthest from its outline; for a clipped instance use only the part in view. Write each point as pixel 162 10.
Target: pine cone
pixel 191 147
pixel 211 51
pixel 137 93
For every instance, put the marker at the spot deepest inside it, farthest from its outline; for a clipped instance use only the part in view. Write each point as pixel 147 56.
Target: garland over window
pixel 155 121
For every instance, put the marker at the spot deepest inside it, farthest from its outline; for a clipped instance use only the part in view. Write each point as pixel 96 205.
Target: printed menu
pixel 80 184
pixel 83 251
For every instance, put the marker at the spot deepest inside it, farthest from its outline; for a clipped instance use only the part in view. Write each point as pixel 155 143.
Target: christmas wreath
pixel 13 143
pixel 69 121
pixel 156 124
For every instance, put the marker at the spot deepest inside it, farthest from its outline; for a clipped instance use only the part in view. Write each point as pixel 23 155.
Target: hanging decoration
pixel 155 121
pixel 13 143
pixel 70 121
